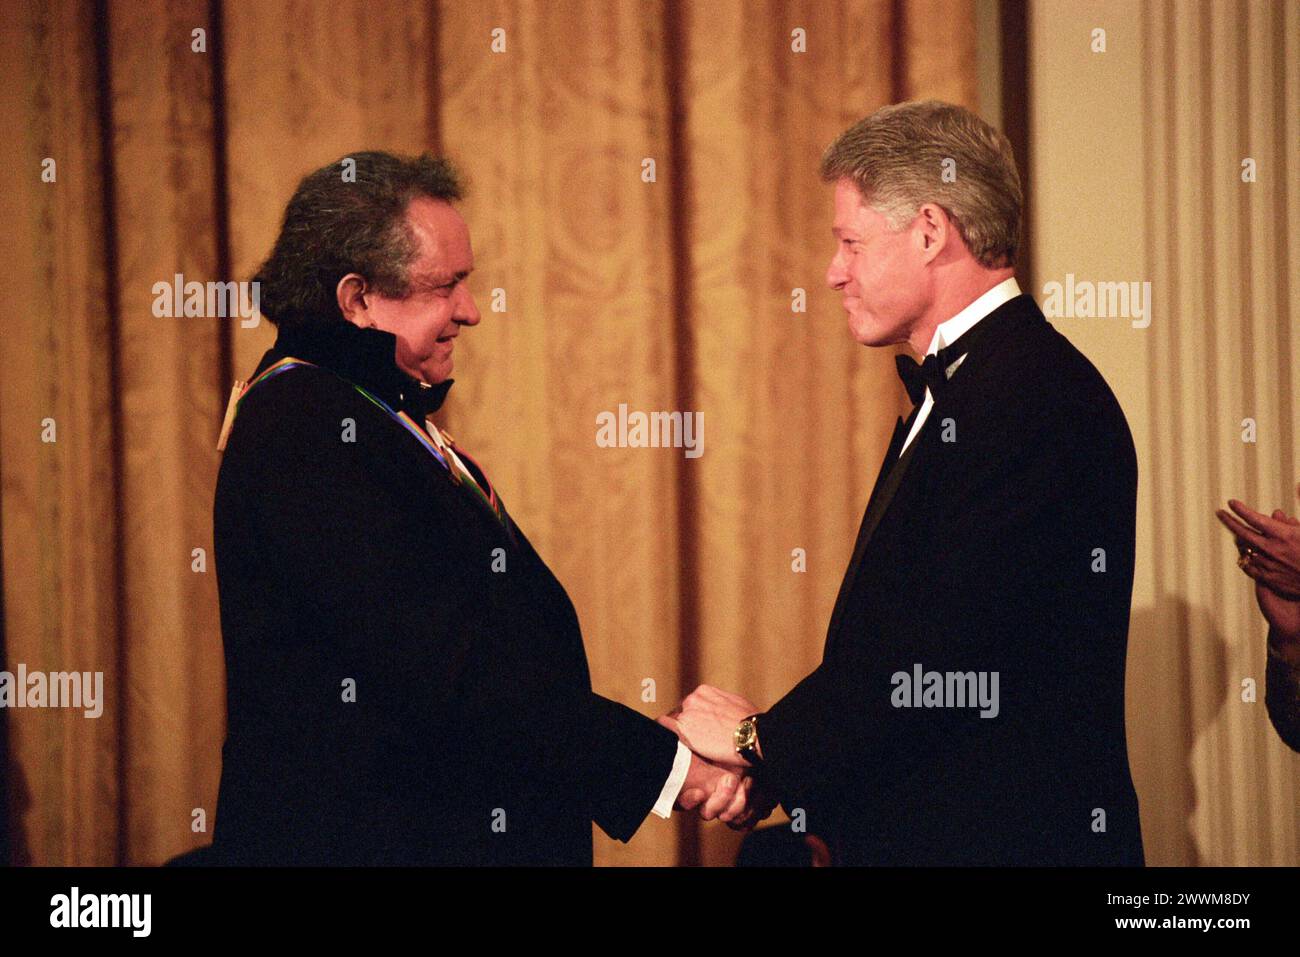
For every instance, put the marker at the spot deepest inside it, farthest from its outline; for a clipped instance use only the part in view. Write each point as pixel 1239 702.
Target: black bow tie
pixel 917 376
pixel 933 371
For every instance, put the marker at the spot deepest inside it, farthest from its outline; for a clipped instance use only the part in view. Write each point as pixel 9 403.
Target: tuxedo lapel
pixel 887 481
pixel 888 466
pixel 881 501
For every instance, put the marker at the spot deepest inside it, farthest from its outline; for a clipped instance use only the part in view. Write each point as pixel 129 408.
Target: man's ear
pixel 933 229
pixel 351 294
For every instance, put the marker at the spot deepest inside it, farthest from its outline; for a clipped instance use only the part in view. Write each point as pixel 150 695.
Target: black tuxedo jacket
pixel 474 737
pixel 1002 541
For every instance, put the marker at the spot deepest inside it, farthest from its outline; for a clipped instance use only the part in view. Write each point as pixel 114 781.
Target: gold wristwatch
pixel 745 738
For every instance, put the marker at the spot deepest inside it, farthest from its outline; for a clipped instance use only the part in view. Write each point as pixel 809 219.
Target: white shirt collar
pixel 950 330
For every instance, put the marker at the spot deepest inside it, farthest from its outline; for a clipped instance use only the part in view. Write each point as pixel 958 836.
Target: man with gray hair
pixel 969 707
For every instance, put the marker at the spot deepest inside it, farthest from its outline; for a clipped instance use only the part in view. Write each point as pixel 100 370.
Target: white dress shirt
pixel 950 331
pixel 676 778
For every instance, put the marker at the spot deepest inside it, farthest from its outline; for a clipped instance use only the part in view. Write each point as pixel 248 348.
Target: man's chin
pixel 868 333
pixel 439 372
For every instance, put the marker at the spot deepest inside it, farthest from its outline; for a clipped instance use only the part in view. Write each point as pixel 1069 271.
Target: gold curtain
pixel 646 214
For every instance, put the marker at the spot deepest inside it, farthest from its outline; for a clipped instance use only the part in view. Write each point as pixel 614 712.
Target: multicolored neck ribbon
pixel 437 443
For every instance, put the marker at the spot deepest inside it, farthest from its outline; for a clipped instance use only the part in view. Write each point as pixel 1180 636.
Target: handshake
pixel 720 783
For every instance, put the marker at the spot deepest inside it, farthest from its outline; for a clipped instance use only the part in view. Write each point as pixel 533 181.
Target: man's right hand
pixel 715 792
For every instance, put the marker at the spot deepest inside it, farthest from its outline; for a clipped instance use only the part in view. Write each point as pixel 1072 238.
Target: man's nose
pixel 466 309
pixel 836 274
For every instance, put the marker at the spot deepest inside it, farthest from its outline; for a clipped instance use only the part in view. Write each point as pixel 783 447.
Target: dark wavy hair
pixel 338 222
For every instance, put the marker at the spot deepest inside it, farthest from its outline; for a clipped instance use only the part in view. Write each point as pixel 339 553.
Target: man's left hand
pixel 707 720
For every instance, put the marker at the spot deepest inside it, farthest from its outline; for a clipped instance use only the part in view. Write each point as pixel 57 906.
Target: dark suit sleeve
pixel 632 758
pixel 627 758
pixel 1002 581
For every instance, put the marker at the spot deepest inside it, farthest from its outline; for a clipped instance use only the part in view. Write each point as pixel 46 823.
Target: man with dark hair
pixel 347 217
pixel 406 680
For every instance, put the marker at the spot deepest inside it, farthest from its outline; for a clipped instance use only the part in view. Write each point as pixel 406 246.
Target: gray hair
pixel 349 216
pixel 896 158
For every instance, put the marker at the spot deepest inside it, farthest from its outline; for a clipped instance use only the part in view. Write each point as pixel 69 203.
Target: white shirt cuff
pixel 676 778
